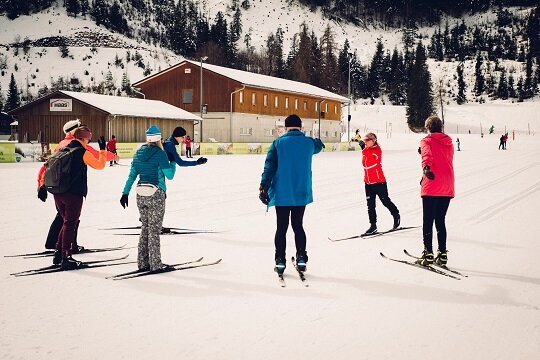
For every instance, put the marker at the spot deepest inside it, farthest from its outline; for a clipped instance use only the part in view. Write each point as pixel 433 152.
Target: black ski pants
pixel 296 214
pixel 188 152
pixel 380 190
pixel 435 208
pixel 54 231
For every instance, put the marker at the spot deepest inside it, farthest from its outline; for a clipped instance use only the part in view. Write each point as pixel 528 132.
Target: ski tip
pixel 382 254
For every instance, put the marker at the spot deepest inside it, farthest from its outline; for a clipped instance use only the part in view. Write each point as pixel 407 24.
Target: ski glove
pixel 263 195
pixel 101 142
pixel 362 144
pixel 202 160
pixel 419 150
pixel 428 173
pixel 124 200
pixel 42 193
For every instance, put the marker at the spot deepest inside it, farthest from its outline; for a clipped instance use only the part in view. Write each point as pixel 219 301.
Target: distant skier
pixel 375 182
pixel 437 188
pixel 286 183
pixel 188 147
pixel 505 139
pixel 111 147
pixel 458 144
pixel 501 142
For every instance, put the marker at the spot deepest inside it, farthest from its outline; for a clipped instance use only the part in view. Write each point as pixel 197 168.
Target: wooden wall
pixel 247 106
pixel 37 117
pixel 129 129
pixel 168 87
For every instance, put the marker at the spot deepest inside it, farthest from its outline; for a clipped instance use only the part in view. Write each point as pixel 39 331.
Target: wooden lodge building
pixel 42 120
pixel 243 107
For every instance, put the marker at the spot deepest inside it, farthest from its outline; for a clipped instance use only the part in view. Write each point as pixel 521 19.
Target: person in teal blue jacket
pixel 151 165
pixel 286 183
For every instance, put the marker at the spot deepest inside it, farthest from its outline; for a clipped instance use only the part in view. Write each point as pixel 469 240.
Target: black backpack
pixel 57 176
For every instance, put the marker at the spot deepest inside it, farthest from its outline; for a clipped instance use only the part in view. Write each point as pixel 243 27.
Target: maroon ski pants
pixel 69 207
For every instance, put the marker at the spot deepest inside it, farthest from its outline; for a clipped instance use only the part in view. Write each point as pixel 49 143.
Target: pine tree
pixel 301 64
pixel 519 90
pixel 374 81
pixel 315 63
pixel 502 88
pixel 236 25
pixel 419 94
pixel 73 7
pixel 100 13
pixel 126 84
pixel 13 100
pixel 461 98
pixel 63 48
pixel 479 76
pixel 85 7
pixel 511 89
pixel 329 61
pixel 528 85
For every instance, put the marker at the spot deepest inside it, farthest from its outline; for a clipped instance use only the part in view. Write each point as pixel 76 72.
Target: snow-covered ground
pixel 358 305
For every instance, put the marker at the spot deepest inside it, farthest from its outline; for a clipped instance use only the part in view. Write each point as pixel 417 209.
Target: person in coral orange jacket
pixel 69 203
pixel 375 182
pixel 69 129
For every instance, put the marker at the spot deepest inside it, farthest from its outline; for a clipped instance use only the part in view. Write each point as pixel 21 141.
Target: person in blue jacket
pixel 286 184
pixel 177 138
pixel 151 165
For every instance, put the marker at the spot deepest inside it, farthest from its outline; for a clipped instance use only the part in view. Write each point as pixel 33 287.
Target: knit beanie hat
pixel 153 134
pixel 179 131
pixel 71 125
pixel 83 132
pixel 293 121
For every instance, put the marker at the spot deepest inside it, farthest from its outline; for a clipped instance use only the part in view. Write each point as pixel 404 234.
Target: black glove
pixel 102 143
pixel 202 160
pixel 428 173
pixel 263 195
pixel 419 150
pixel 42 193
pixel 124 200
pixel 362 144
pixel 170 156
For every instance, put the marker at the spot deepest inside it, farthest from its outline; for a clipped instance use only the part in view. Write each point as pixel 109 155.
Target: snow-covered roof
pixel 263 81
pixel 118 105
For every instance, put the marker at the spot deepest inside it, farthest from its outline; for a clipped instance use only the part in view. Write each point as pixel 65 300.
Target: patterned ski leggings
pixel 151 211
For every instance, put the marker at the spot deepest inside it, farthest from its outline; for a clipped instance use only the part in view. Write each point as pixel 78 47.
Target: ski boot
pixel 280 266
pixel 77 249
pixel 69 263
pixel 372 230
pixel 426 259
pixel 397 221
pixel 57 257
pixel 301 261
pixel 442 258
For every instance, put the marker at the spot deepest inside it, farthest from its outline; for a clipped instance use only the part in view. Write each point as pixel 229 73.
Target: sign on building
pixel 60 105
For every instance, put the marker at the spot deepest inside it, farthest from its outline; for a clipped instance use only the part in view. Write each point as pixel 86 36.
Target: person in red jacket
pixel 437 183
pixel 187 141
pixel 111 147
pixel 375 182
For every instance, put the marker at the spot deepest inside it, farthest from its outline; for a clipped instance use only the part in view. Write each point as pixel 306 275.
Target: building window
pixel 253 98
pixel 295 104
pixel 276 101
pixel 269 132
pixel 305 105
pixel 286 103
pixel 308 133
pixel 334 134
pixel 325 134
pixel 246 131
pixel 241 97
pixel 326 108
pixel 187 96
pixel 316 106
pixel 265 100
pixel 335 109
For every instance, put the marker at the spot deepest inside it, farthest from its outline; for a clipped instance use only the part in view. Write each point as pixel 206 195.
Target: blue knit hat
pixel 153 134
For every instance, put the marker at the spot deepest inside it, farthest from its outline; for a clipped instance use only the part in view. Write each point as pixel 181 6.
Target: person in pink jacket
pixel 437 183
